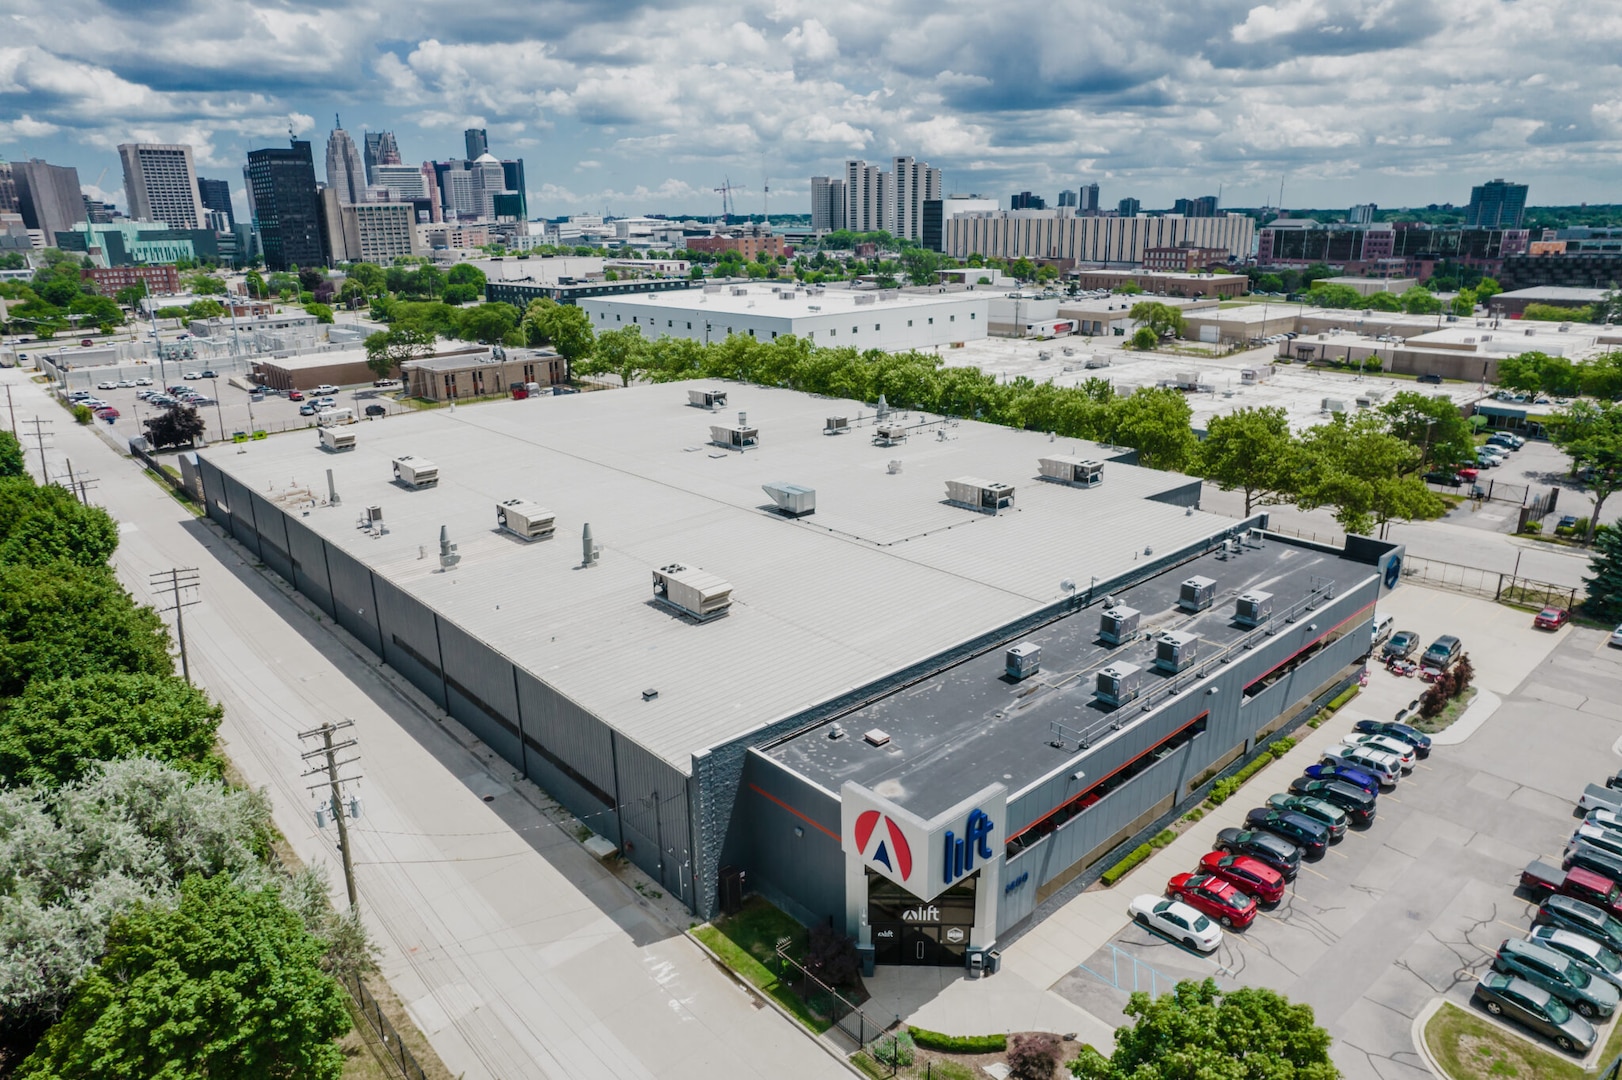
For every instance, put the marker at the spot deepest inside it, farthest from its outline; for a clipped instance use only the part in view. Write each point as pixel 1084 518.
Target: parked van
pixel 1383 626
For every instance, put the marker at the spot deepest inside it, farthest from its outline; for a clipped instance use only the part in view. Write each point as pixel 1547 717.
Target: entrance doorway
pixel 918 933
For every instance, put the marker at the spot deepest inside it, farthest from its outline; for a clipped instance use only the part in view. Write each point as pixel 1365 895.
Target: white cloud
pixel 812 41
pixel 1266 21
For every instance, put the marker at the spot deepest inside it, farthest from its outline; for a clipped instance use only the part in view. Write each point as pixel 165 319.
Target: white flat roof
pixel 767 301
pixel 885 573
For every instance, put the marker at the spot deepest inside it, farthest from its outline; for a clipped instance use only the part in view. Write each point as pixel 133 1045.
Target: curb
pixel 760 995
pixel 1479 712
pixel 1417 1032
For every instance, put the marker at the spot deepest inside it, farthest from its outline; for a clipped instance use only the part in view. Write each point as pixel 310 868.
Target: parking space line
pixel 1314 873
pixel 1393 798
pixel 1512 926
pixel 1332 851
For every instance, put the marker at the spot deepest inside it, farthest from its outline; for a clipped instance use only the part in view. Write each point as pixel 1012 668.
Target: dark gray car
pixel 1518 1000
pixel 1559 974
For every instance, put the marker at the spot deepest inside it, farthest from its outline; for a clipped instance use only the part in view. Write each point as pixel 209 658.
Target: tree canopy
pixel 1252 451
pixel 1591 435
pixel 1604 589
pixel 1366 474
pixel 1198 1032
pixel 43 523
pixel 1432 425
pixel 178 425
pixel 387 349
pixel 1163 319
pixel 62 620
pixel 11 456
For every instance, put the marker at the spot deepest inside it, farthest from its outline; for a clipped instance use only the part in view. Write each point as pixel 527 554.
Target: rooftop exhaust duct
pixel 448 557
pixel 792 499
pixel 590 552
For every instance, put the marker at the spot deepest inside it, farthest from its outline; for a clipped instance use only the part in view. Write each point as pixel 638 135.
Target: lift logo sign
pixel 959 852
pixel 890 850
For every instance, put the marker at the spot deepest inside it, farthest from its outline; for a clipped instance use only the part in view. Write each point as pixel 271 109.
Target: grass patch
pixel 1452 712
pixel 864 1061
pixel 747 943
pixel 178 496
pixel 1467 1047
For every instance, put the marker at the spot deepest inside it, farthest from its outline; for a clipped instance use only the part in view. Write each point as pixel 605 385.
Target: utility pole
pixel 329 750
pixel 39 437
pixel 175 580
pixel 11 408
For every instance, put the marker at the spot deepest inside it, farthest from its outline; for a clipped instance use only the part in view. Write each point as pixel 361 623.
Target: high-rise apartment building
pixel 216 195
pixel 346 172
pixel 915 183
pixel 381 149
pixel 287 206
pixel 1069 198
pixel 160 181
pixel 869 197
pixel 8 189
pixel 1088 204
pixel 1496 204
pixel 1026 201
pixel 1204 206
pixel 1129 207
pixel 48 196
pixel 827 204
pixel 1361 214
pixel 478 143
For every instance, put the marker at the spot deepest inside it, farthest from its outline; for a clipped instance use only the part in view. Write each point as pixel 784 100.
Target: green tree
pixel 57 729
pixel 45 523
pixel 1197 1031
pixel 1382 301
pixel 1420 301
pixel 310 278
pixel 1022 269
pixel 1601 376
pixel 461 294
pixel 11 456
pixel 1253 451
pixel 203 283
pixel 62 620
pixel 1128 288
pixel 1486 289
pixel 1604 589
pixel 1271 283
pixel 1523 372
pixel 387 349
pixel 1464 304
pixel 488 323
pixel 1163 319
pixel 322 312
pixel 1335 296
pixel 921 265
pixel 227 983
pixel 1368 475
pixel 1590 433
pixel 1433 425
pixel 204 309
pixel 352 294
pixel 1154 421
pixel 130 296
pixel 466 274
pixel 622 352
pixel 254 282
pixel 58 285
pixel 564 326
pixel 1145 338
pixel 178 425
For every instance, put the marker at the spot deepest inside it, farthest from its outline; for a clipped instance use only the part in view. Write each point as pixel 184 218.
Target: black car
pixel 1586 855
pixel 1275 851
pixel 1310 836
pixel 1518 1000
pixel 376 410
pixel 1444 479
pixel 1358 804
pixel 1420 741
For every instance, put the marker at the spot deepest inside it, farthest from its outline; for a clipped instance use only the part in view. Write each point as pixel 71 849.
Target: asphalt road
pixel 1415 905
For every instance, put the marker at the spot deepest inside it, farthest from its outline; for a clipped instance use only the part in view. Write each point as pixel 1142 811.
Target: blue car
pixel 1345 774
pixel 1410 735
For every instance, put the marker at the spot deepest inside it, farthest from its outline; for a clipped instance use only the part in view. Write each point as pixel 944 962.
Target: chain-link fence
pixel 394 1047
pixel 1496 586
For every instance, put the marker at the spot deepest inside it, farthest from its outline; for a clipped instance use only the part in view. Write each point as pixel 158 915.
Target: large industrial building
pixel 1098 241
pixel 903 674
pixel 886 319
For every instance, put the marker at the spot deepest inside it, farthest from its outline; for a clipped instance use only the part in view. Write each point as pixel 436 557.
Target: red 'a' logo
pixel 892 843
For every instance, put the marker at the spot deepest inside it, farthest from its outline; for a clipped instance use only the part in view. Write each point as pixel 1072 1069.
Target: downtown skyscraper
pixel 346 172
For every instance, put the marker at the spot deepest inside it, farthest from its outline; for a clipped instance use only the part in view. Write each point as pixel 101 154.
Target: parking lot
pixel 1415 905
pixel 230 408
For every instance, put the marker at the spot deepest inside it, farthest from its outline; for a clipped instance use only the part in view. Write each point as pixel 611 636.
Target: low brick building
pixel 162 280
pixel 475 373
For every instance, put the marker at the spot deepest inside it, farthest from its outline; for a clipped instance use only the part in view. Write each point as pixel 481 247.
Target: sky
pixel 634 107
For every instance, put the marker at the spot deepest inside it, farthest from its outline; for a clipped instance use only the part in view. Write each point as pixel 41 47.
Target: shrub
pixel 1463 673
pixel 82 414
pixel 1124 867
pixel 832 957
pixel 1533 528
pixel 895 1050
pixel 1161 839
pixel 1194 815
pixel 1032 1055
pixel 1281 747
pixel 959 1044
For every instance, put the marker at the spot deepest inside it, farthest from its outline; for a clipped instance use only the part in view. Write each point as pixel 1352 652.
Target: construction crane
pixel 725 191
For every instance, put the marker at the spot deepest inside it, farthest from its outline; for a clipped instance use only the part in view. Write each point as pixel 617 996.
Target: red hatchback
pixel 1219 899
pixel 1551 618
pixel 1252 875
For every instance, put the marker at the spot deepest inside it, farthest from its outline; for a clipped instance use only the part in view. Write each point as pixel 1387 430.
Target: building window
pixel 909 322
pixel 689 326
pixel 669 323
pixel 932 320
pixel 774 335
pixel 616 318
pixel 972 314
pixel 951 318
pixel 854 329
pixel 875 326
pixel 833 333
pixel 751 331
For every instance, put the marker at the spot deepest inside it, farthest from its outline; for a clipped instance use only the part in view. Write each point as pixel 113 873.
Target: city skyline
pixel 1233 94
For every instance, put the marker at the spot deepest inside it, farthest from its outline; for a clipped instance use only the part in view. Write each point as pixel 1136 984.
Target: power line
pixel 329 750
pixel 176 580
pixel 39 438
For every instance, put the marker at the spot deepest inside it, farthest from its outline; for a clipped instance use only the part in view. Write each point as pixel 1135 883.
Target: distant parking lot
pixel 1416 904
pixel 229 408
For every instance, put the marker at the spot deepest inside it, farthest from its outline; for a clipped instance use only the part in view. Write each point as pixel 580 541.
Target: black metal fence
pixel 846 1016
pixel 394 1047
pixel 1491 584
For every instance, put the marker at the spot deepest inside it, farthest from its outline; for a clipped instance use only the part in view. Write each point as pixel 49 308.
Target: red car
pixel 1468 472
pixel 1217 898
pixel 1551 618
pixel 294 395
pixel 1252 875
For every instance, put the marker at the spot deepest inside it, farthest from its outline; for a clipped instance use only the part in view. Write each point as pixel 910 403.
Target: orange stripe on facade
pixel 814 824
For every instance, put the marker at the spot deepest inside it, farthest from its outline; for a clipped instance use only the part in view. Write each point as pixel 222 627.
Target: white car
pixel 1402 751
pixel 1177 921
pixel 325 402
pixel 125 383
pixel 1384 767
pixel 143 381
pixel 108 385
pixel 1616 637
pixel 192 375
pixel 324 388
pixel 1605 819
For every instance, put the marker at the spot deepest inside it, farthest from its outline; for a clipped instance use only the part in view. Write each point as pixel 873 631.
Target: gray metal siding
pixel 354 606
pixel 309 554
pixel 806 872
pixel 240 500
pixel 479 689
pixel 569 733
pixel 272 528
pixel 645 779
pixel 410 642
pixel 214 493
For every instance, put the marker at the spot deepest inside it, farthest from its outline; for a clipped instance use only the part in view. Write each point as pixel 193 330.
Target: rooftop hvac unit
pixel 707 399
pixel 334 440
pixel 1081 472
pixel 526 519
pixel 1253 608
pixel 1118 625
pixel 1196 594
pixel 1096 362
pixel 836 425
pixel 1024 660
pixel 1118 684
pixel 984 495
pixel 739 290
pixel 792 499
pixel 1251 376
pixel 415 472
pixel 889 434
pixel 865 298
pixel 735 436
pixel 1334 405
pixel 1174 651
pixel 693 592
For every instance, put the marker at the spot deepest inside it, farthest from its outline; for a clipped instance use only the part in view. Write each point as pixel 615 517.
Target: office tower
pixel 346 172
pixel 478 143
pixel 8 189
pixel 287 206
pixel 869 199
pixel 48 197
pixel 1205 206
pixel 1128 207
pixel 1068 198
pixel 827 204
pixel 512 173
pixel 1026 201
pixel 247 190
pixel 216 195
pixel 1361 214
pixel 937 212
pixel 914 182
pixel 402 181
pixel 1496 204
pixel 381 149
pixel 100 213
pixel 430 187
pixel 160 182
pixel 1088 206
